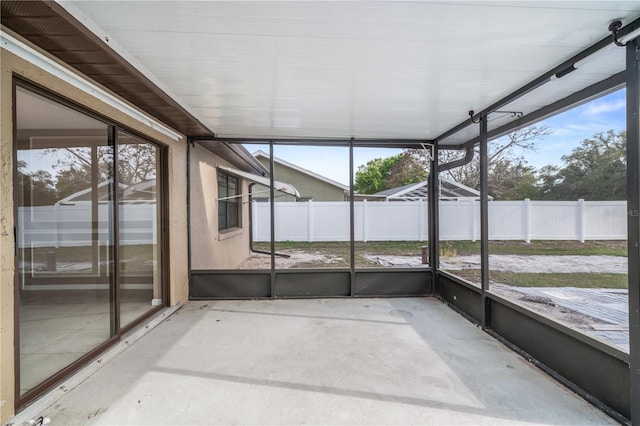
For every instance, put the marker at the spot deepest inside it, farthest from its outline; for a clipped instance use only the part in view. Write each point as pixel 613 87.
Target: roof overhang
pixel 278 186
pixel 49 26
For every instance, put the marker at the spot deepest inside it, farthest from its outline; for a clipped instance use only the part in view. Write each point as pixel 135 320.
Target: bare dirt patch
pixel 292 259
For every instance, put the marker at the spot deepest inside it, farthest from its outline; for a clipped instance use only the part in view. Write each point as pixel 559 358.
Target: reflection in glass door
pixel 79 285
pixel 139 219
pixel 65 245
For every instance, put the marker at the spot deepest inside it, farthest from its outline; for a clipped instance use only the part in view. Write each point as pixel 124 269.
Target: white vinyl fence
pixel 459 220
pixel 67 226
pixel 71 225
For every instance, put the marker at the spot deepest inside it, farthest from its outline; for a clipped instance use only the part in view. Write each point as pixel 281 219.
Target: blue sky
pixel 569 129
pixel 577 124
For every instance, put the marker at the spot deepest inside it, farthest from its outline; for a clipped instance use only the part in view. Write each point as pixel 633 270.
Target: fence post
pixel 580 222
pixel 526 220
pixel 310 220
pixel 365 220
pixel 475 219
pixel 422 219
pixel 58 225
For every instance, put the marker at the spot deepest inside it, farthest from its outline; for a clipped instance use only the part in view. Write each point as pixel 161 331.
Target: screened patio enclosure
pixel 436 77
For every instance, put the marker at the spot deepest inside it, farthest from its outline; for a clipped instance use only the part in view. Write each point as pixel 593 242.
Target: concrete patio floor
pixel 322 361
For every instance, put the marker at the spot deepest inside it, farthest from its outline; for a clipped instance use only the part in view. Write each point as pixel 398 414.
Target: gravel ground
pixel 519 263
pixel 540 263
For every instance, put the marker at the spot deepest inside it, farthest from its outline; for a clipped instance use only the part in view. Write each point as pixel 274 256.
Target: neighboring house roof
pixel 302 170
pixel 145 190
pixel 142 192
pixel 449 190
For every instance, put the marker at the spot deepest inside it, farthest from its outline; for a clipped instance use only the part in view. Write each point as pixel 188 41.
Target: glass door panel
pixel 64 193
pixel 140 193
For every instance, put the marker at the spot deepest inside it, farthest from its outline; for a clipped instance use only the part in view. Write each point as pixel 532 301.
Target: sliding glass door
pixel 85 269
pixel 65 244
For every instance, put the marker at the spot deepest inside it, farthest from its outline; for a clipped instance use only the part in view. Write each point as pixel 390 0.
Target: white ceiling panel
pixel 362 69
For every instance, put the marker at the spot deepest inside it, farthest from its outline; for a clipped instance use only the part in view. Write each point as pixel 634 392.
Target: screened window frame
pixel 228 220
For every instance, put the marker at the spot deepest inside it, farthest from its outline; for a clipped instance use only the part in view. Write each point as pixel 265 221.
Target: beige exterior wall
pixel 11 64
pixel 211 249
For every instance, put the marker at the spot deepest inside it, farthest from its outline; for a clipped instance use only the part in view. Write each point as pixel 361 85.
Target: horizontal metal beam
pixel 537 82
pixel 601 88
pixel 365 142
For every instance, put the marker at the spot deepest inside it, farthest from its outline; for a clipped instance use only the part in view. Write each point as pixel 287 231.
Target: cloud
pixel 603 107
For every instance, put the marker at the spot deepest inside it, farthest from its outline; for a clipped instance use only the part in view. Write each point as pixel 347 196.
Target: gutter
pixel 468 156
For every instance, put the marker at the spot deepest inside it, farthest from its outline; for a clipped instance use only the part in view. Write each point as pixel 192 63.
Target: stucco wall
pixel 211 249
pixel 11 64
pixel 308 186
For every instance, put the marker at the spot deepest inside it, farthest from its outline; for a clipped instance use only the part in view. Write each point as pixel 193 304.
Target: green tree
pixel 380 174
pixel 37 187
pixel 595 170
pixel 510 177
pixel 512 180
pixel 136 163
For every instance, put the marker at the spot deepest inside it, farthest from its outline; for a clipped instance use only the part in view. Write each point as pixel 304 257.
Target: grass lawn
pixel 609 248
pixel 520 279
pixel 460 248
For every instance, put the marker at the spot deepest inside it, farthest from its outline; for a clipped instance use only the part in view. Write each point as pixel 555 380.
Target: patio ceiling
pixel 402 70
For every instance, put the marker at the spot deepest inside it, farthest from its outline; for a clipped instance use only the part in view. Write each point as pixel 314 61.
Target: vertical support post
pixel 526 220
pixel 434 209
pixel 484 221
pixel 272 207
pixel 580 221
pixel 95 220
pixel 352 233
pixel 633 221
pixel 115 282
pixel 190 146
pixel 310 221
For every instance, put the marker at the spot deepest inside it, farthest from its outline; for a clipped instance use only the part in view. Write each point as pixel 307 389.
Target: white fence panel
pixel 290 222
pixel 394 221
pixel 330 221
pixel 605 220
pixel 261 221
pixel 459 220
pixel 66 226
pixel 554 220
pixel 71 226
pixel 507 220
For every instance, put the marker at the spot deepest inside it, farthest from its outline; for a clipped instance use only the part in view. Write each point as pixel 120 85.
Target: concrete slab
pixel 321 361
